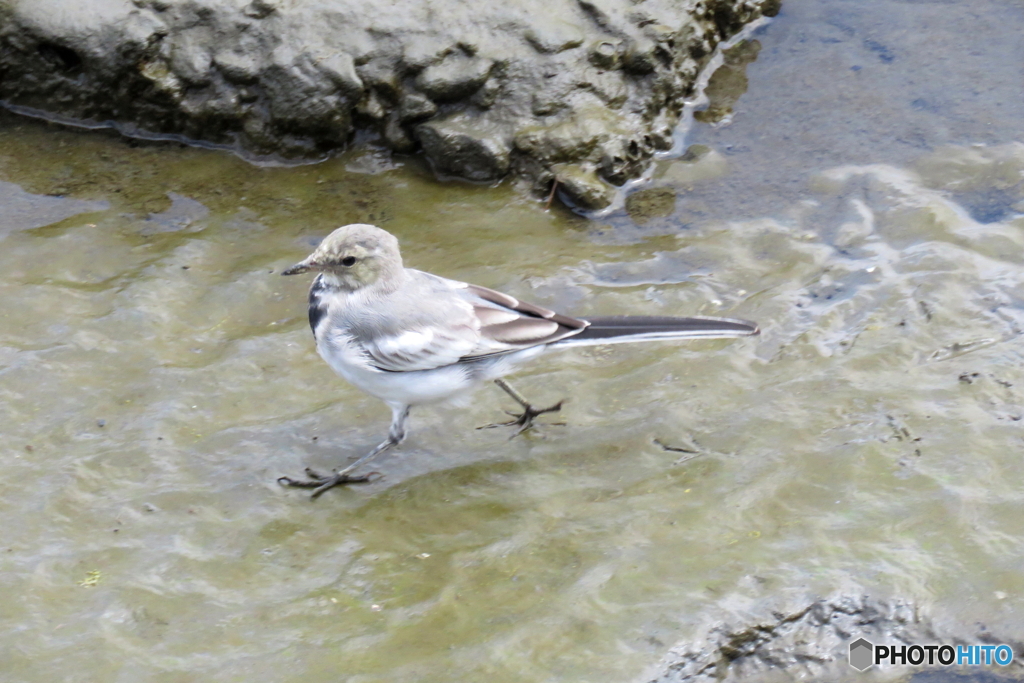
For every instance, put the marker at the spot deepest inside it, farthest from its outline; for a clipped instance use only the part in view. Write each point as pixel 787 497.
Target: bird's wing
pixel 423 347
pixel 507 324
pixel 434 322
pixel 422 326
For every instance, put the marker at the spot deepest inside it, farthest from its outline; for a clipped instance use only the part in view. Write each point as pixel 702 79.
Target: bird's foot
pixel 321 482
pixel 524 420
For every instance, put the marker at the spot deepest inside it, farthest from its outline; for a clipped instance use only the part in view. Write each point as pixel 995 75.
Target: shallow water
pixel 863 201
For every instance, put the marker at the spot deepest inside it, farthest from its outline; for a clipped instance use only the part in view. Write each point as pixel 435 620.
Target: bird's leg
pixel 523 420
pixel 320 482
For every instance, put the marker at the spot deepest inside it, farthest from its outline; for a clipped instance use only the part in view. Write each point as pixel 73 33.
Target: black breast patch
pixel 317 309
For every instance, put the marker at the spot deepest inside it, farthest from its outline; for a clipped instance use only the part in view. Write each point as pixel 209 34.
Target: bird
pixel 410 338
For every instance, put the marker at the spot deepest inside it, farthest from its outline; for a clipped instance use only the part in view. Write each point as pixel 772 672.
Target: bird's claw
pixel 321 482
pixel 524 420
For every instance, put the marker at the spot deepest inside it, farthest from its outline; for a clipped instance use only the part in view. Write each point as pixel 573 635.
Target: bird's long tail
pixel 635 328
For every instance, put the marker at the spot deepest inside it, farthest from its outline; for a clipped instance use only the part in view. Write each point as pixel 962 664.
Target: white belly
pixel 408 388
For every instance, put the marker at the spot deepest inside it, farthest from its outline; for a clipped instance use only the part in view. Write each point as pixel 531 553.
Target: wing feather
pixel 510 302
pixel 521 331
pixel 508 324
pixel 425 348
pixel 435 322
pixel 492 315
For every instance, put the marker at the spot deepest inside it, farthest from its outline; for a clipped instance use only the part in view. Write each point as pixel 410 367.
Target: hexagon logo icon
pixel 861 654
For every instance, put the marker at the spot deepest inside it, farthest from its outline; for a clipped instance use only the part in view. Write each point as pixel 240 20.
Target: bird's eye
pixel 348 261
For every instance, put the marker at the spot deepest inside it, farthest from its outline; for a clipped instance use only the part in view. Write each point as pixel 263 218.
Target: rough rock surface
pixel 811 642
pixel 584 91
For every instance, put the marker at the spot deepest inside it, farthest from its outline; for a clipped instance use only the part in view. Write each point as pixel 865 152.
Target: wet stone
pixel 454 78
pixel 299 80
pixel 583 186
pixel 458 148
pixel 813 638
pixel 729 82
pixel 340 68
pixel 416 106
pixel 605 54
pixel 556 36
pixel 240 68
pixel 655 202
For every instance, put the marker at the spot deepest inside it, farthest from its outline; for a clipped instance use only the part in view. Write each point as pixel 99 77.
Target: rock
pixel 571 138
pixel 237 67
pixel 641 56
pixel 811 641
pixel 297 92
pixel 728 82
pixel 649 203
pixel 555 36
pixel 260 9
pixel 459 146
pixel 420 51
pixel 416 106
pixel 380 75
pixel 592 87
pixel 604 54
pixel 583 187
pixel 456 77
pixel 341 69
pixel 190 59
pixel 396 136
pixel 698 164
pixel 371 107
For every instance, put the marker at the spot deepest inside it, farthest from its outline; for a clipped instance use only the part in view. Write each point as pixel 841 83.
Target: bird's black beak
pixel 300 267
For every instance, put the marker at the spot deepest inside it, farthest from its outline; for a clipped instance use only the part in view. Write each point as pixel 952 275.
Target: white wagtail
pixel 409 337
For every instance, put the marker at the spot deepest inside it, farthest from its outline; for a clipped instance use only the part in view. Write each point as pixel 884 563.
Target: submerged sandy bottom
pixel 156 375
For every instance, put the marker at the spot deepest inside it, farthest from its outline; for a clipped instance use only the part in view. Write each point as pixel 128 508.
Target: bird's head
pixel 354 256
